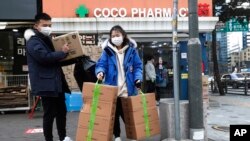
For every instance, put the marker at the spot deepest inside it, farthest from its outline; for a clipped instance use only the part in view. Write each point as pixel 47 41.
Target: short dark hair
pixel 150 57
pixel 124 34
pixel 42 16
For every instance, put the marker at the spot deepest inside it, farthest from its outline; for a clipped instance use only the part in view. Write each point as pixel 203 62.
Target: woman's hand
pixel 100 76
pixel 138 84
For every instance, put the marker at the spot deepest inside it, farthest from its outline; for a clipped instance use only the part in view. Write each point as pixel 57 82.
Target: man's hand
pixel 65 48
pixel 100 76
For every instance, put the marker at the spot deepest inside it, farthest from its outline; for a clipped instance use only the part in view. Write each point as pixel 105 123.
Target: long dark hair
pixel 122 31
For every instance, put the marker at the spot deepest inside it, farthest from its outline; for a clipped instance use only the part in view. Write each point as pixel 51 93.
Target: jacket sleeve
pixel 137 67
pixel 43 56
pixel 102 63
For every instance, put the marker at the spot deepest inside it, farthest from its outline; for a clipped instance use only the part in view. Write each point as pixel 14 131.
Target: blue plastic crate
pixel 73 101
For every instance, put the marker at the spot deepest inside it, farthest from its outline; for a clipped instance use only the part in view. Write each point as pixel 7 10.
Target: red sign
pixel 203 9
pixel 34 131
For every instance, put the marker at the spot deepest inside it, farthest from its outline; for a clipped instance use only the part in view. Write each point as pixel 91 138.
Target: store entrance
pixel 162 54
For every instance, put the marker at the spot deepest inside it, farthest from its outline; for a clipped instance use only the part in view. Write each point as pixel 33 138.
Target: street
pixel 223 112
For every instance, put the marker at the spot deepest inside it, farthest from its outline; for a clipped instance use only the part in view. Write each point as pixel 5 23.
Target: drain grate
pixel 221 128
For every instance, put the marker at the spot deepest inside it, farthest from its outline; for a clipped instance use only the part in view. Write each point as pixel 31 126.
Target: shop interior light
pixel 245 5
pixel 228 1
pixel 165 44
pixel 160 45
pixel 15 30
pixel 3 25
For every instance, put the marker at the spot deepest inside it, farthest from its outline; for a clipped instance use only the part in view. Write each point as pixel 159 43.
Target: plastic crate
pixel 74 101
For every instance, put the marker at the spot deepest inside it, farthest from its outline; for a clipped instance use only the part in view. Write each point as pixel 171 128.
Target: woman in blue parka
pixel 120 65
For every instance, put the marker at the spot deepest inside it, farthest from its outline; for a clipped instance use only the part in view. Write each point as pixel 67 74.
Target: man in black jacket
pixel 46 76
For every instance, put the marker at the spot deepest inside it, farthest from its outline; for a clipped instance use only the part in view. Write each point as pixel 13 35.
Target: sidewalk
pixel 223 111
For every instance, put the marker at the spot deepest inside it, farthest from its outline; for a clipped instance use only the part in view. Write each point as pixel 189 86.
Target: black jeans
pixel 54 107
pixel 150 86
pixel 118 113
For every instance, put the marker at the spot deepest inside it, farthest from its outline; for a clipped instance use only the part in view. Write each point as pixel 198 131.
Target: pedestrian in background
pixel 46 76
pixel 120 65
pixel 161 80
pixel 150 74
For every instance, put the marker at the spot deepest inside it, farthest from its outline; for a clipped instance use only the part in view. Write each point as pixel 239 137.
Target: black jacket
pixel 45 72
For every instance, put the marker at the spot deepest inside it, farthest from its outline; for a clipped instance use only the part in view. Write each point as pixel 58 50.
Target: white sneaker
pixel 67 139
pixel 118 139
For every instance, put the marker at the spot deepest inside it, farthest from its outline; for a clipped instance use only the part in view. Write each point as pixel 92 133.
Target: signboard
pixel 233 25
pixel 121 8
pixel 19 10
pixel 20 58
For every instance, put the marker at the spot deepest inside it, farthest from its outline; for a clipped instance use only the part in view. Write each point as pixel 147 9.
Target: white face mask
pixel 117 40
pixel 46 30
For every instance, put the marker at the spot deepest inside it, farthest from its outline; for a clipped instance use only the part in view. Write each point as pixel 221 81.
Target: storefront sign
pixel 20 58
pixel 121 8
pixel 138 12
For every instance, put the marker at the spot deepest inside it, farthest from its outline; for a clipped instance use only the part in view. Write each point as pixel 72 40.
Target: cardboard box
pixel 137 117
pixel 95 57
pixel 138 132
pixel 102 124
pixel 104 120
pixel 205 90
pixel 205 80
pixel 81 135
pixel 104 109
pixel 96 50
pixel 74 42
pixel 134 116
pixel 2 85
pixel 108 93
pixel 134 103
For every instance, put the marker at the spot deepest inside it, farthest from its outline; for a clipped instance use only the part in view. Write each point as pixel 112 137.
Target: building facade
pixel 222 52
pixel 148 22
pixel 246 39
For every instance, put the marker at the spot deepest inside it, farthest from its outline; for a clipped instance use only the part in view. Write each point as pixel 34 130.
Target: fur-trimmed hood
pixel 107 43
pixel 28 34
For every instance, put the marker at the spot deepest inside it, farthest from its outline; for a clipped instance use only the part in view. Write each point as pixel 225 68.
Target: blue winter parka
pixel 132 64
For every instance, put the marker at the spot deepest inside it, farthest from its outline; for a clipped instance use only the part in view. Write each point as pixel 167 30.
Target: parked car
pixel 246 74
pixel 235 80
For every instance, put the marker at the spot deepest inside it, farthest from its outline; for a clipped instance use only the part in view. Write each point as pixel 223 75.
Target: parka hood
pixel 107 43
pixel 28 34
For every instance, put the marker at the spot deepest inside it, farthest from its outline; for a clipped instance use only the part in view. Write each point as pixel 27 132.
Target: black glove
pixel 138 84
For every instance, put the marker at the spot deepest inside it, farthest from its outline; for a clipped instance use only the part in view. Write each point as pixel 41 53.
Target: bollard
pixel 212 86
pixel 225 87
pixel 246 86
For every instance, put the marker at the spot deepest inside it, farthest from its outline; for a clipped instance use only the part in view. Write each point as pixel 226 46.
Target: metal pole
pixel 246 86
pixel 239 57
pixel 194 72
pixel 176 71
